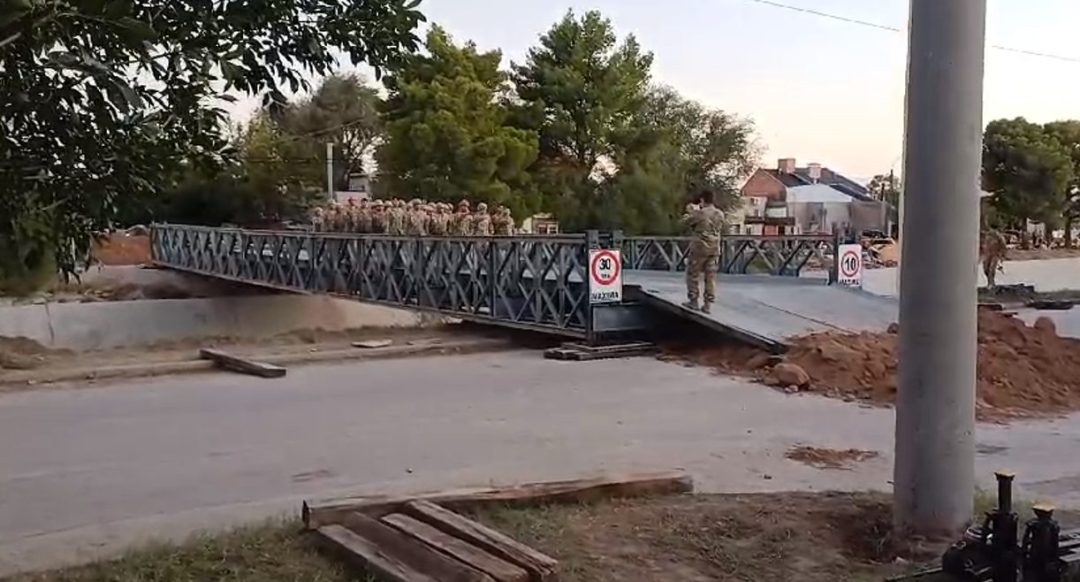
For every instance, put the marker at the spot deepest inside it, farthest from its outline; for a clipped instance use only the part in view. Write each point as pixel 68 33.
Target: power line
pixel 868 24
pixel 828 15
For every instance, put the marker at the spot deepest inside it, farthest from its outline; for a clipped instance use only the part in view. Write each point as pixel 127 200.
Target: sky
pixel 817 89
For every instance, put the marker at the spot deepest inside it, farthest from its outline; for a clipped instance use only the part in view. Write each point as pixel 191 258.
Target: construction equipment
pixel 992 551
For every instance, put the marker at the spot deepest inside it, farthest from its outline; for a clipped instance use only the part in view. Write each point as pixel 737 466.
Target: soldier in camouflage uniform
pixel 461 223
pixel 378 217
pixel 992 251
pixel 481 221
pixel 318 219
pixel 435 225
pixel 706 224
pixel 501 223
pixel 395 218
pixel 363 225
pixel 416 219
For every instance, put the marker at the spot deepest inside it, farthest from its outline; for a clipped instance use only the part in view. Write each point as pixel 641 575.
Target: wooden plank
pixel 541 568
pixel 234 363
pixel 361 553
pixel 373 344
pixel 500 570
pixel 319 513
pixel 394 547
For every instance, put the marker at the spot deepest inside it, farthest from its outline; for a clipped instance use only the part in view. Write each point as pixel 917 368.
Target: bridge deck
pixel 766 311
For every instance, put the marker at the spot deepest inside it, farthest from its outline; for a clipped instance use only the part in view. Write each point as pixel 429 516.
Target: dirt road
pixel 86 472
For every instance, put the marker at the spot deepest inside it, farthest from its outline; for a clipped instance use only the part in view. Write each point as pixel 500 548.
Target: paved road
pixel 84 472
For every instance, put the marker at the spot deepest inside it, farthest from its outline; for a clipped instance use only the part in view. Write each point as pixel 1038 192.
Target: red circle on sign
pixel 854 263
pixel 596 263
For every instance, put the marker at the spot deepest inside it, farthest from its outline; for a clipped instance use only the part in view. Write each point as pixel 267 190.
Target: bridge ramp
pixel 768 311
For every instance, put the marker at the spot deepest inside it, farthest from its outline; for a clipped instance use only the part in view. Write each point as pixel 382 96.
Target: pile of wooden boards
pixel 420 539
pixel 424 542
pixel 583 353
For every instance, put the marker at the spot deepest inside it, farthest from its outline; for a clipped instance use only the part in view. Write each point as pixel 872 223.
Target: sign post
pixel 849 265
pixel 605 276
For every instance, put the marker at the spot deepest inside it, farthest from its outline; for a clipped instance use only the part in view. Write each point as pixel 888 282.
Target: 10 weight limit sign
pixel 849 265
pixel 605 276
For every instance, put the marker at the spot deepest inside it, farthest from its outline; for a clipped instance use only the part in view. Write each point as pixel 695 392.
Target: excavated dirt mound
pixel 1023 370
pixel 121 249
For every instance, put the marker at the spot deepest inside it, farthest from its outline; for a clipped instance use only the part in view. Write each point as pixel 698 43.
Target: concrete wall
pixel 86 326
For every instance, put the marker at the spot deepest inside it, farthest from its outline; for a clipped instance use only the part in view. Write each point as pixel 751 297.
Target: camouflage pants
pixel 991 266
pixel 701 267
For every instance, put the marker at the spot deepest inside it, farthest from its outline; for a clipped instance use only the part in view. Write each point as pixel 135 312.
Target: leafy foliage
pixel 343 110
pixel 107 101
pixel 580 90
pixel 446 131
pixel 886 187
pixel 1027 169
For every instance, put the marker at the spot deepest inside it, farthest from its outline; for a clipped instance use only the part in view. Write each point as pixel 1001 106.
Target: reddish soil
pixel 1023 370
pixel 829 458
pixel 121 249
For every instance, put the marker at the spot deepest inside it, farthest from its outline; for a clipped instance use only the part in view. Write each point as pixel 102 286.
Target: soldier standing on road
pixel 706 224
pixel 318 220
pixel 992 251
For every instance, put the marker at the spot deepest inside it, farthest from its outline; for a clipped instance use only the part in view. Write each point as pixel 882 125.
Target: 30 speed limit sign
pixel 605 276
pixel 849 265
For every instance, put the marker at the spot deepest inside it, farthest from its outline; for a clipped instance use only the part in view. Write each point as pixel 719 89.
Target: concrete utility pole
pixel 935 411
pixel 330 170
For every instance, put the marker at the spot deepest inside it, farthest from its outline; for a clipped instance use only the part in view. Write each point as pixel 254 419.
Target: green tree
pixel 1027 169
pixel 107 101
pixel 344 110
pixel 581 90
pixel 446 131
pixel 1068 135
pixel 887 188
pixel 700 147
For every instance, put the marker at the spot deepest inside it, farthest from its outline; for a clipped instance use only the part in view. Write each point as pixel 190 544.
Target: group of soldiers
pixel 413 218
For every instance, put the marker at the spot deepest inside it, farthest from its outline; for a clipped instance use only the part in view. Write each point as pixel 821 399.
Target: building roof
pixel 817 193
pixel 835 180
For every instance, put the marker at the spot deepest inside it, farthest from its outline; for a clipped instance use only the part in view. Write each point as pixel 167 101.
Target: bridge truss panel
pixel 536 283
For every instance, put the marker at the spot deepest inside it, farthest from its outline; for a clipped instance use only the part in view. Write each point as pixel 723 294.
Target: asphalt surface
pixel 85 472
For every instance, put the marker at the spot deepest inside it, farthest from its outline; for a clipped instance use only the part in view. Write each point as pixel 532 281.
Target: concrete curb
pixel 10 383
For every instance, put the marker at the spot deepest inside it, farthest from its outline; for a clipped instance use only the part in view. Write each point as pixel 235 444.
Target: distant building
pixel 808 200
pixel 543 223
pixel 359 188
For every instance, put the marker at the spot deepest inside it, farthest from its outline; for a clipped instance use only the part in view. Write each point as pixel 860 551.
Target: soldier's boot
pixel 691 305
pixel 706 307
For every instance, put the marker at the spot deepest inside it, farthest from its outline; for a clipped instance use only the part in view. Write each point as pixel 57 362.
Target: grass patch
pixel 269 552
pixel 806 537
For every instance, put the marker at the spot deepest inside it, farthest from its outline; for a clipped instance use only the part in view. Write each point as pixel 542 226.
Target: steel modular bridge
pixel 530 282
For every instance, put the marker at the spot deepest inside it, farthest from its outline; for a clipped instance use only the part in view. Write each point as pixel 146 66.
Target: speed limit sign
pixel 605 276
pixel 849 265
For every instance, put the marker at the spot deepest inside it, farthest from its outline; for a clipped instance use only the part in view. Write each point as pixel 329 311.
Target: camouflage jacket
pixel 481 224
pixel 461 224
pixel 706 226
pixel 416 223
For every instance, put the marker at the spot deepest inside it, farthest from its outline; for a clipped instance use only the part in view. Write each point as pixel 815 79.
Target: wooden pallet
pixel 423 542
pixel 583 353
